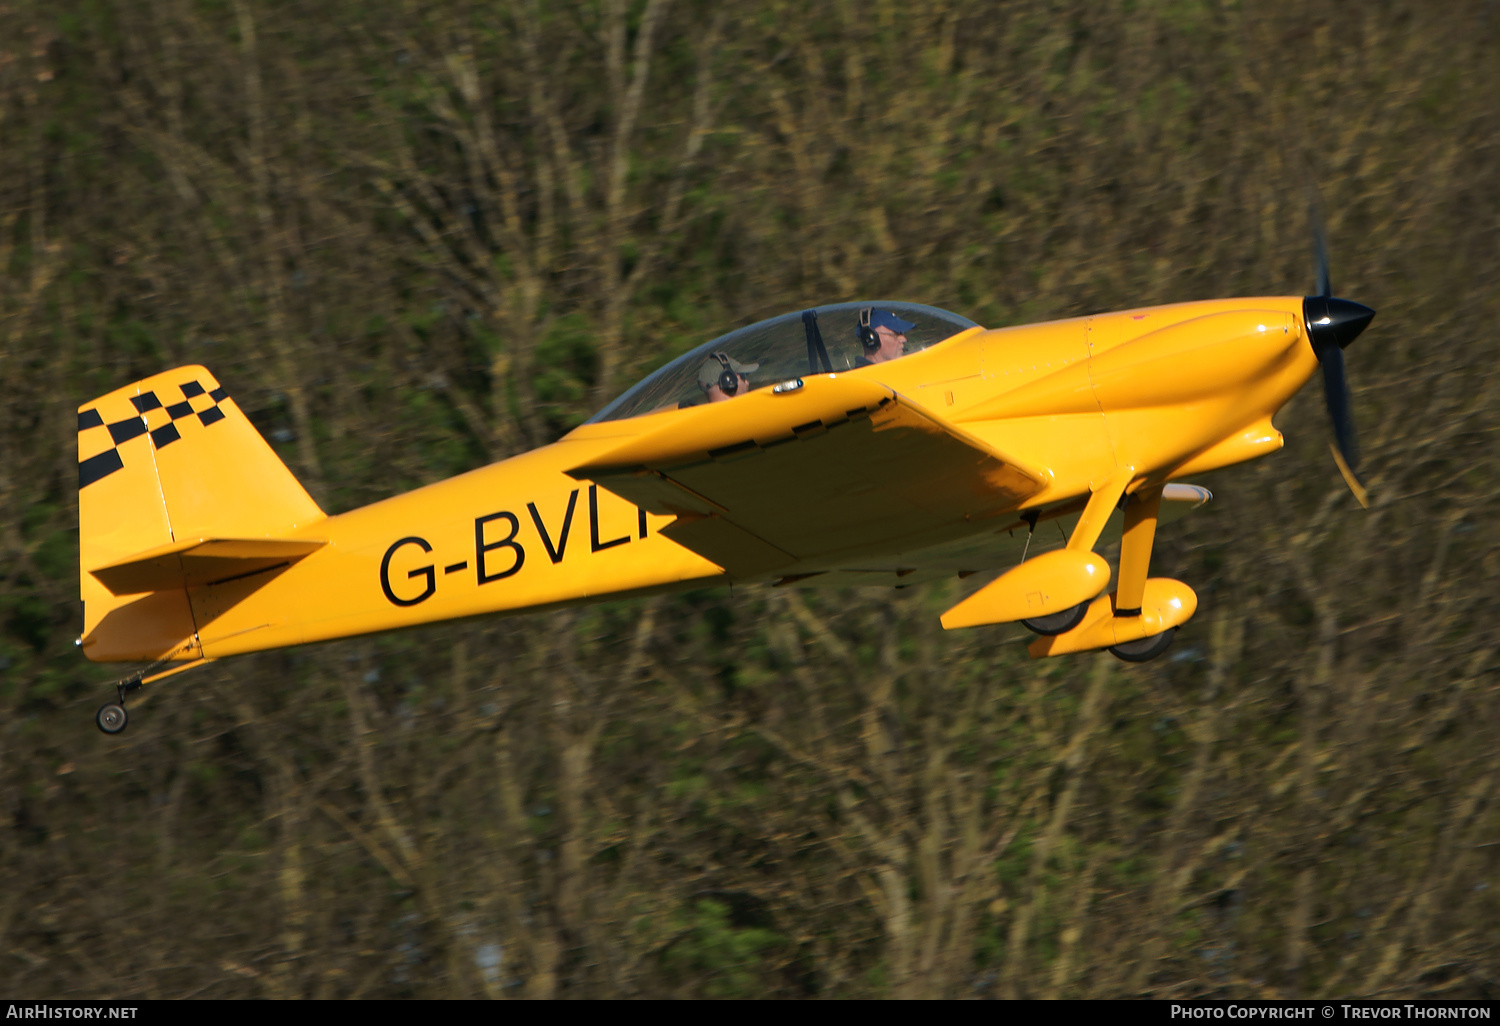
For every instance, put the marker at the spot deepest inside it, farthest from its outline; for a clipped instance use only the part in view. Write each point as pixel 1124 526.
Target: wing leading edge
pixel 833 469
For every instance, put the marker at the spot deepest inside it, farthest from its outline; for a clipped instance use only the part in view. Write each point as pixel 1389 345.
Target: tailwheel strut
pixel 112 716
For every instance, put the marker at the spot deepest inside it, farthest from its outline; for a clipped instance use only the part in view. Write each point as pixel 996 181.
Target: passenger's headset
pixel 729 381
pixel 864 332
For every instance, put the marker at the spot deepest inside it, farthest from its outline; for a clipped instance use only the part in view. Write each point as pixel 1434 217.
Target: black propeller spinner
pixel 1332 324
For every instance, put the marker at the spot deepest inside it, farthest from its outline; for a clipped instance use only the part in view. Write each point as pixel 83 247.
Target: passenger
pixel 882 335
pixel 723 378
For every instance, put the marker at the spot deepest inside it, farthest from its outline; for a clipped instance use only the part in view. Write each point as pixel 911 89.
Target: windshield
pixel 826 338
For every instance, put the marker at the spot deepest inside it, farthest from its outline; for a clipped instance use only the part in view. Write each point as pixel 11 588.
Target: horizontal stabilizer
pixel 195 561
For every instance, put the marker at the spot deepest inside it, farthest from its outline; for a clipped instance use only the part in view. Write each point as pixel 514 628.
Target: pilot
pixel 721 377
pixel 882 335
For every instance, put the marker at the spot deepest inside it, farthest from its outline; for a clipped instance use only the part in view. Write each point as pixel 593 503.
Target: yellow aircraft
pixel 851 444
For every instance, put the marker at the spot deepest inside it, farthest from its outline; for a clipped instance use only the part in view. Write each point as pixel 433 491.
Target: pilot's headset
pixel 729 381
pixel 864 332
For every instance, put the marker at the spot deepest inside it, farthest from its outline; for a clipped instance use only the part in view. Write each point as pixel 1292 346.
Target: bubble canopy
pixel 821 340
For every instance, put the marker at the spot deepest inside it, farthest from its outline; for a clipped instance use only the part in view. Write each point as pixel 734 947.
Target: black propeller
pixel 1331 325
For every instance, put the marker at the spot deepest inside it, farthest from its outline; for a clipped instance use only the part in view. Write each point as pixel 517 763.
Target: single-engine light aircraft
pixel 851 444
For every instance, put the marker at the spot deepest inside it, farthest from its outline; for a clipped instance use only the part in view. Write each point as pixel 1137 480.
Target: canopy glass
pixel 821 340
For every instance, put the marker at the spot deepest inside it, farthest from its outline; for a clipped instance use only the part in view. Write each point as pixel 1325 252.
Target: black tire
pixel 111 718
pixel 1057 623
pixel 1143 650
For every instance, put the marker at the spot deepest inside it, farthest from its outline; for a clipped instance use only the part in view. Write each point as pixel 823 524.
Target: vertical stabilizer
pixel 165 460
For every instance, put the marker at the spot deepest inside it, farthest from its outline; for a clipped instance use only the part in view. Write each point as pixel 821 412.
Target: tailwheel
pixel 1143 650
pixel 1057 623
pixel 111 718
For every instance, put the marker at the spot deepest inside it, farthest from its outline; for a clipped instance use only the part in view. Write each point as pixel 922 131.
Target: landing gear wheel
pixel 111 718
pixel 1057 623
pixel 1143 650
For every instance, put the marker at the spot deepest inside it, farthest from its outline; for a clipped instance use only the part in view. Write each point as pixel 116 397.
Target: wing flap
pixel 841 466
pixel 196 561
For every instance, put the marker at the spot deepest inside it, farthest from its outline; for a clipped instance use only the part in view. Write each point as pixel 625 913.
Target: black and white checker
pixel 107 462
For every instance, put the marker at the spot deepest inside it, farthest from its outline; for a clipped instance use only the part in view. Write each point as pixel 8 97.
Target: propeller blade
pixel 1331 325
pixel 1349 478
pixel 1320 255
pixel 1320 246
pixel 1336 394
pixel 1340 405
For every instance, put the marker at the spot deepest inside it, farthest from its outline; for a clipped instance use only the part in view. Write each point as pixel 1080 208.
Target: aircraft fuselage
pixel 1158 394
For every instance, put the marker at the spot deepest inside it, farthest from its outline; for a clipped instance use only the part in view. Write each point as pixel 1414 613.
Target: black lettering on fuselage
pixel 484 547
pixel 556 555
pixel 594 541
pixel 423 571
pixel 481 547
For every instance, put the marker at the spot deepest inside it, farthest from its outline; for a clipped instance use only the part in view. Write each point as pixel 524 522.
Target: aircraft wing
pixel 840 466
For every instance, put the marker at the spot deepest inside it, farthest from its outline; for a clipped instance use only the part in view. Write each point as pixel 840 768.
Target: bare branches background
pixel 416 237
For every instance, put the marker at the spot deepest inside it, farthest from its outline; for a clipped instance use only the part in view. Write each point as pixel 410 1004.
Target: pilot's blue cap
pixel 886 319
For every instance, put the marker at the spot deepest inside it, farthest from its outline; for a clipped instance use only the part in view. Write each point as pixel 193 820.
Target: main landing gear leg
pixel 1136 621
pixel 1096 514
pixel 1084 537
pixel 1135 563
